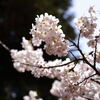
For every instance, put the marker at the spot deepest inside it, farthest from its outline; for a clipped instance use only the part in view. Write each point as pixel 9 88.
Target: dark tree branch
pixel 95 81
pixel 86 79
pixel 73 61
pixel 95 53
pixel 84 58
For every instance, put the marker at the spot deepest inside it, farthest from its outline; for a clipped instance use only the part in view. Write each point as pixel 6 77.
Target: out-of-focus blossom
pixel 32 96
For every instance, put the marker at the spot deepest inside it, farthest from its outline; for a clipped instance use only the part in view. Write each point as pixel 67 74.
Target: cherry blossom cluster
pixel 30 59
pixel 78 78
pixel 47 30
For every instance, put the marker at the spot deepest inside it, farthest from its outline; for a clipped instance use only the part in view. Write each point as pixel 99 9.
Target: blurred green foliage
pixel 16 17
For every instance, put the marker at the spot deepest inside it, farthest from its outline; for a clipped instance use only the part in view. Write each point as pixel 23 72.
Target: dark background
pixel 16 18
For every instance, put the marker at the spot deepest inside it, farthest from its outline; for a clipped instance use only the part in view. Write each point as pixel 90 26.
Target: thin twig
pixel 84 58
pixel 86 79
pixel 95 52
pixel 73 55
pixel 76 60
pixel 4 46
pixel 72 69
pixel 79 38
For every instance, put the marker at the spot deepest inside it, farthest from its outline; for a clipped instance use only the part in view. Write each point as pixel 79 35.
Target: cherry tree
pixel 77 77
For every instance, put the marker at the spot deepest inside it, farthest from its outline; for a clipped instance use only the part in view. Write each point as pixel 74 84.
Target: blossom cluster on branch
pixel 78 78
